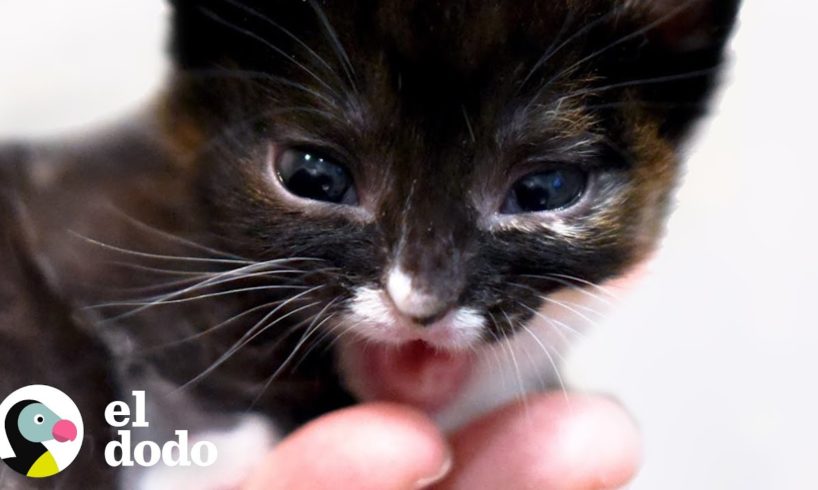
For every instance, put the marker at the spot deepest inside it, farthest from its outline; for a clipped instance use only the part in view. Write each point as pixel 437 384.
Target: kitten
pixel 340 201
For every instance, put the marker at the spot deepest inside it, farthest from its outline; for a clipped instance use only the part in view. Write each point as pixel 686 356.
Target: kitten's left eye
pixel 312 176
pixel 545 191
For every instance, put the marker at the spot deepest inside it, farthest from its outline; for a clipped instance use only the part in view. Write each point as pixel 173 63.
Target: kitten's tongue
pixel 414 373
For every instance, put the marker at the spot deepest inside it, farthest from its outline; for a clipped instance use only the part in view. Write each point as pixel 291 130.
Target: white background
pixel 716 353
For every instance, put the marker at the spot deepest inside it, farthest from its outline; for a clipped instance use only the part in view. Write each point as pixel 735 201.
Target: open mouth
pixel 415 373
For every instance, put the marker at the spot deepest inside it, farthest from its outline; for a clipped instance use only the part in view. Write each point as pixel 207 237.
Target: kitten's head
pixel 453 162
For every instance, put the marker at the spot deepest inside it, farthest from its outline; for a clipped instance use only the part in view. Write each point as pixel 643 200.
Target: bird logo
pixel 42 428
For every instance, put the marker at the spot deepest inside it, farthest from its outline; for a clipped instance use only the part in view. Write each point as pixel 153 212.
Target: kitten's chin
pixel 387 357
pixel 415 373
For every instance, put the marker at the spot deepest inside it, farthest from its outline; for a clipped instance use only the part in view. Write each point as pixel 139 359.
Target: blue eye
pixel 545 191
pixel 313 176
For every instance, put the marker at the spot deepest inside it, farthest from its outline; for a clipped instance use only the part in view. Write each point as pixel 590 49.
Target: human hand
pixel 550 442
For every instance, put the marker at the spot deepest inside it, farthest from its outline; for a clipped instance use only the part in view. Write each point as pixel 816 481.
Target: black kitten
pixel 351 200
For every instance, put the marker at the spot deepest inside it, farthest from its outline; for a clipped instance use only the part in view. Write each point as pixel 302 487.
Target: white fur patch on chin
pixel 240 451
pixel 372 317
pixel 526 362
pixel 370 314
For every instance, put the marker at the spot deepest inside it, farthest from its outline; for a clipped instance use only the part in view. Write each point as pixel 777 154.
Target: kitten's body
pixel 55 194
pixel 434 123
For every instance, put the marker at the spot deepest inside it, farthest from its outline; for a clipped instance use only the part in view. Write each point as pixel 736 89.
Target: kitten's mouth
pixel 415 373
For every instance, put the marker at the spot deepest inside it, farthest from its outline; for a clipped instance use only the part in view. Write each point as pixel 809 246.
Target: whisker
pixel 245 340
pixel 568 306
pixel 193 298
pixel 345 330
pixel 647 28
pixel 169 236
pixel 497 361
pixel 196 276
pixel 210 329
pixel 550 359
pixel 655 104
pixel 572 310
pixel 576 35
pixel 534 365
pixel 156 256
pixel 585 308
pixel 468 123
pixel 158 270
pixel 252 35
pixel 330 332
pixel 336 45
pixel 522 395
pixel 307 334
pixel 226 73
pixel 251 334
pixel 286 32
pixel 219 278
pixel 643 81
pixel 553 321
pixel 599 288
pixel 547 54
pixel 568 284
pixel 321 338
pixel 193 277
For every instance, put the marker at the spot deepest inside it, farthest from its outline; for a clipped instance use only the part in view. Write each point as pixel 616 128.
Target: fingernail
pixel 441 474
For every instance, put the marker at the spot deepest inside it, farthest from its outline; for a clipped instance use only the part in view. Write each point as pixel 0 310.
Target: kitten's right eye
pixel 313 176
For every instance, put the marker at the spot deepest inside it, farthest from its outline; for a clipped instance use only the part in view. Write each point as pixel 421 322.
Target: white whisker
pixel 521 386
pixel 219 278
pixel 307 334
pixel 550 359
pixel 565 282
pixel 571 309
pixel 248 337
pixel 171 237
pixel 157 256
pixel 553 321
pixel 195 298
pixel 213 328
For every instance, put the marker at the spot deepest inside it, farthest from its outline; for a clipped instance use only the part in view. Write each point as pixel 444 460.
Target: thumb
pixel 367 447
pixel 578 442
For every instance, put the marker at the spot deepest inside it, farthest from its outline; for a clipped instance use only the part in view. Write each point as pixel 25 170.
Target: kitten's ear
pixel 683 42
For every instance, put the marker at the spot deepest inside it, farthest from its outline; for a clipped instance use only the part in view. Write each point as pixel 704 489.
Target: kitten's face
pixel 453 162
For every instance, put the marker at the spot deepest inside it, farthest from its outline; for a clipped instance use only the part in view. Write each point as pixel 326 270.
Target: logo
pixel 41 431
pixel 179 452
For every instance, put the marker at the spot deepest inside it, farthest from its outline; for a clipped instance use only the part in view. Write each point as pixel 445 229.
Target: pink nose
pixel 64 430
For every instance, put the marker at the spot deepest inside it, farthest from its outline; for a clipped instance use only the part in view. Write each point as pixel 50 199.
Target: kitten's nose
pixel 410 301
